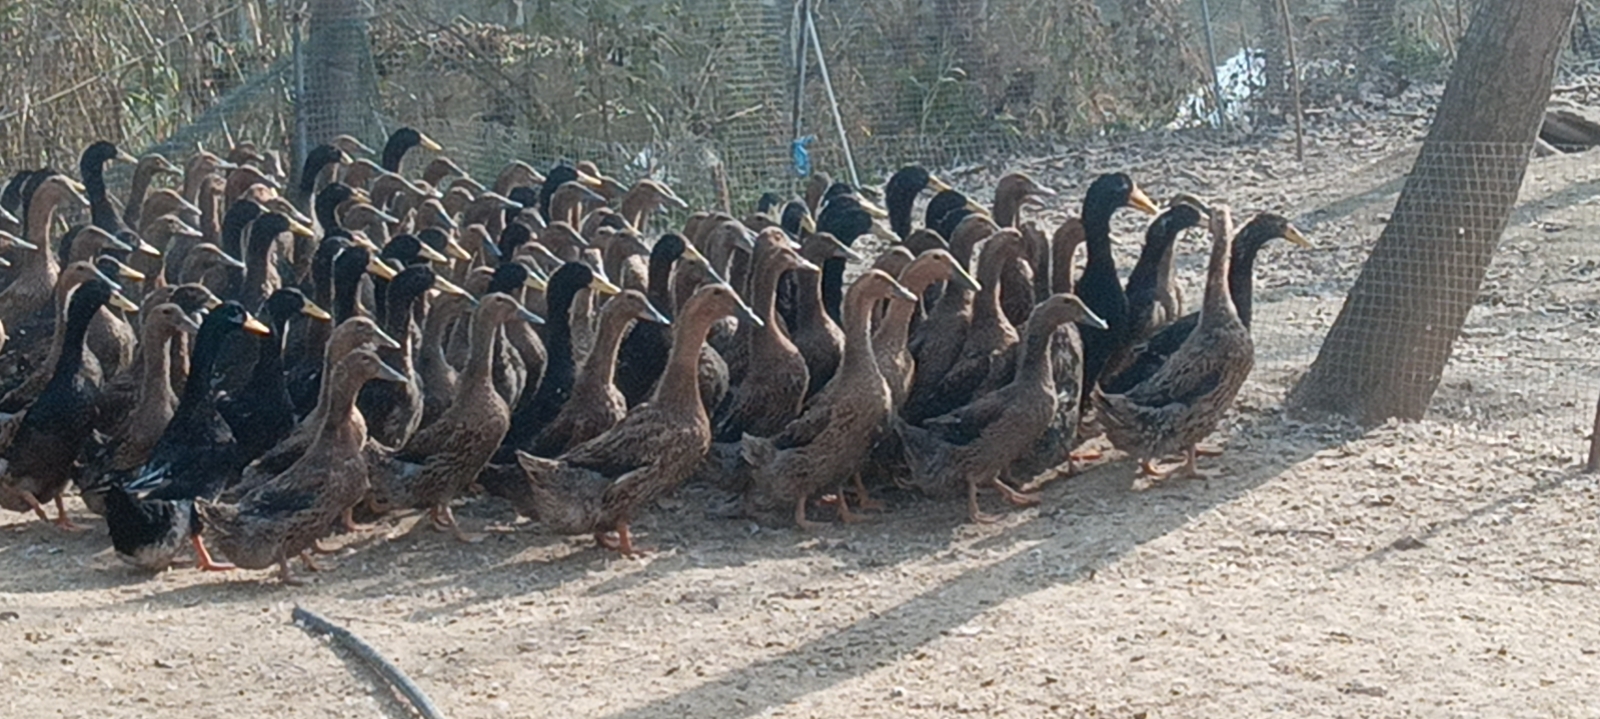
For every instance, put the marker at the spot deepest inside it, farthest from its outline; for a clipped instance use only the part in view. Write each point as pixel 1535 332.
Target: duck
pixel 599 486
pixel 445 457
pixel 557 177
pixel 347 336
pixel 521 356
pixel 813 329
pixel 150 508
pixel 987 360
pixel 43 454
pixel 33 278
pixel 1146 312
pixel 976 444
pixel 901 191
pixel 400 142
pixel 145 171
pixel 137 430
pixel 946 211
pixel 91 170
pixel 535 412
pixel 830 441
pixel 260 413
pixel 1021 281
pixel 393 410
pixel 768 374
pixel 646 198
pixel 643 355
pixel 304 353
pixel 438 376
pixel 938 340
pixel 1150 355
pixel 595 404
pixel 890 337
pixel 285 517
pixel 1099 286
pixel 119 395
pixel 1186 398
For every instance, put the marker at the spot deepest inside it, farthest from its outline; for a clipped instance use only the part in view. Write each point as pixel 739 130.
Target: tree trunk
pixel 341 82
pixel 1372 27
pixel 1387 351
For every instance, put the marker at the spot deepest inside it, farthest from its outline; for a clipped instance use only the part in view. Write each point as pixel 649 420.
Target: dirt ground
pixel 1442 568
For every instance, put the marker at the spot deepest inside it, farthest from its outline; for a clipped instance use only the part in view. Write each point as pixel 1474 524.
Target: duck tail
pixel 757 451
pixel 508 482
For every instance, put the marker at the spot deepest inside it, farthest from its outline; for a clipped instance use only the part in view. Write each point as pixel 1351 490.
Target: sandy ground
pixel 1443 568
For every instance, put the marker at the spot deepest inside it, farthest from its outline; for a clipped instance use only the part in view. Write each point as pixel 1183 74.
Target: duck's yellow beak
pixel 1141 202
pixel 936 184
pixel 428 143
pixel 310 309
pixel 122 303
pixel 256 327
pixel 603 286
pixel 1293 235
pixel 450 288
pixel 432 255
pixel 380 269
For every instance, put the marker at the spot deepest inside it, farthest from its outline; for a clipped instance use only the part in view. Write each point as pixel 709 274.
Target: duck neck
pixel 337 415
pixel 895 328
pixel 138 190
pixel 679 389
pixel 1007 209
pixel 1033 366
pixel 398 325
pixel 210 202
pixel 986 307
pixel 601 364
pixel 345 290
pixel 94 183
pixel 478 371
pixel 764 290
pixel 70 357
pixel 859 359
pixel 898 201
pixel 435 332
pixel 833 287
pixel 196 399
pixel 1218 307
pixel 1097 235
pixel 808 302
pixel 1063 247
pixel 660 289
pixel 257 264
pixel 268 371
pixel 40 215
pixel 637 207
pixel 156 373
pixel 1241 276
pixel 1157 250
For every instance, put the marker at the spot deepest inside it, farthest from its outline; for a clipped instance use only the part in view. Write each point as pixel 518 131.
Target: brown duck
pixel 286 516
pixel 1184 400
pixel 769 371
pixel 976 444
pixel 597 487
pixel 829 443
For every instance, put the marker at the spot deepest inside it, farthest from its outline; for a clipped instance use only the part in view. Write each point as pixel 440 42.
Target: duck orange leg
pixel 286 576
pixel 62 520
pixel 625 545
pixel 202 557
pixel 1020 499
pixel 845 515
pixel 445 519
pixel 311 564
pixel 33 502
pixel 800 515
pixel 348 519
pixel 864 501
pixel 973 512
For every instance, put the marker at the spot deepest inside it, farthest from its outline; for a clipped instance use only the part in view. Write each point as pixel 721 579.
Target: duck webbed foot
pixel 444 520
pixel 348 520
pixel 974 513
pixel 1188 470
pixel 864 501
pixel 845 514
pixel 1020 499
pixel 202 557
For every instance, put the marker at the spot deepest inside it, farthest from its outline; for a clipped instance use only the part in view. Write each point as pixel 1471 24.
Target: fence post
pixel 340 94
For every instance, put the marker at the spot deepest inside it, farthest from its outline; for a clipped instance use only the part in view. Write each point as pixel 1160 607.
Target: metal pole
pixel 300 134
pixel 833 102
pixel 1211 52
pixel 802 11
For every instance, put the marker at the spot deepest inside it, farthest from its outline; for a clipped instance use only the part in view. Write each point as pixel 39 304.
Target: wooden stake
pixel 1593 465
pixel 1294 83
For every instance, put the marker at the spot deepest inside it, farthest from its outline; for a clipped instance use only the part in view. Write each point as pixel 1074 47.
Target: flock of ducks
pixel 365 341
